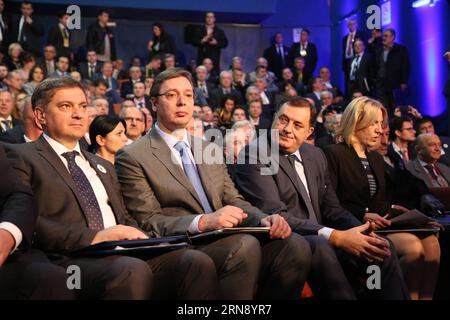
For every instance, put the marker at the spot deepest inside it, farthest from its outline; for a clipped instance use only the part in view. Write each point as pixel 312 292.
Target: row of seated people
pixel 308 204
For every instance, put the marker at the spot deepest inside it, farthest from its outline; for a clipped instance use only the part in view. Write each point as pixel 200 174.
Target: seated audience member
pixel 3 74
pixel 195 127
pixel 14 82
pixel 287 91
pixel 239 83
pixel 402 187
pixel 254 112
pixel 87 208
pixel 7 120
pixel 148 85
pixel 48 61
pixel 101 105
pixel 299 189
pixel 252 93
pixel 148 119
pixel 240 135
pixel 37 74
pixel 224 89
pixel 135 123
pixel 425 125
pixel 153 68
pixel 169 61
pixel 91 67
pixel 75 75
pixel 358 176
pixel 12 60
pixel 162 188
pixel 325 75
pixel 127 87
pixel 107 135
pixel 301 75
pixel 402 134
pixel 332 121
pixel 25 273
pixel 238 114
pixel 267 97
pixel 212 75
pixel 327 110
pixel 62 68
pixel 227 105
pixel 426 166
pixel 207 117
pixel 30 129
pixel 28 61
pixel 288 77
pixel 106 73
pixel 119 72
pixel 316 87
pixel 18 101
pixel 201 82
pixel 139 98
pixel 261 69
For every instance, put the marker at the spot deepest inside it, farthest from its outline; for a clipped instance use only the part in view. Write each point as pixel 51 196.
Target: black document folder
pixel 143 248
pixel 209 236
pixel 412 221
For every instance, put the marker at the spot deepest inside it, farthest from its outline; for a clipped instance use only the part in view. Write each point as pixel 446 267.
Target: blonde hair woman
pixel 358 176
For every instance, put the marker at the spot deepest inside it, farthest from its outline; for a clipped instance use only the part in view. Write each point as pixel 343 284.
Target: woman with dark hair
pixel 37 74
pixel 107 135
pixel 161 43
pixel 225 112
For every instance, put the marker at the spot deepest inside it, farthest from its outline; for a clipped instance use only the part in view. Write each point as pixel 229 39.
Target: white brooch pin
pixel 445 145
pixel 101 168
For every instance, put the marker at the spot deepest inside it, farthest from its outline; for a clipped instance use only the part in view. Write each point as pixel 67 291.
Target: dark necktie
pixel 91 71
pixel 355 67
pixel 192 174
pixel 7 124
pixel 85 193
pixel 431 172
pixel 292 158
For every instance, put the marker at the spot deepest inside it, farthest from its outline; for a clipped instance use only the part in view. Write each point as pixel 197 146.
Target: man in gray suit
pixel 426 165
pixel 79 204
pixel 166 191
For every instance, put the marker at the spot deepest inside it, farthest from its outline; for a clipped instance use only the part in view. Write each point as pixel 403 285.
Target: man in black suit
pixel 402 134
pixel 91 67
pixel 59 36
pixel 86 208
pixel 27 31
pixel 304 49
pixel 277 55
pixel 100 38
pixel 202 83
pixel 294 183
pixel 141 100
pixel 7 121
pixel 210 40
pixel 30 129
pixel 48 61
pixel 4 29
pixel 348 52
pixel 254 116
pixel 316 86
pixel 360 70
pixel 25 273
pixel 135 76
pixel 392 72
pixel 375 42
pixel 216 96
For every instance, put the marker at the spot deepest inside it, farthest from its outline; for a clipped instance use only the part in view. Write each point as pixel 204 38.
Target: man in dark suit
pixel 254 116
pixel 48 61
pixel 7 121
pixel 167 189
pixel 100 38
pixel 86 208
pixel 402 134
pixel 277 55
pixel 210 40
pixel 392 72
pixel 30 129
pixel 27 31
pixel 316 86
pixel 92 67
pixel 304 49
pixel 348 52
pixel 4 29
pixel 294 183
pixel 225 88
pixel 25 273
pixel 201 82
pixel 360 70
pixel 135 76
pixel 59 36
pixel 425 125
pixel 141 100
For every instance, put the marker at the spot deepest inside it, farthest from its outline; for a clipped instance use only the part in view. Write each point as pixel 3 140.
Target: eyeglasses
pixel 173 95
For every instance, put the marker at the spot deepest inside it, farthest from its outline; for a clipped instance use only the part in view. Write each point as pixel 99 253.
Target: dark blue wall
pixel 425 31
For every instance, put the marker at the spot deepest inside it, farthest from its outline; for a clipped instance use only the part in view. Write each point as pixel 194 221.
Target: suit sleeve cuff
pixel 15 232
pixel 325 233
pixel 193 228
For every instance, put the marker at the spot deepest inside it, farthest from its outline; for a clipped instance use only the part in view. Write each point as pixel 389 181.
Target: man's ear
pixel 40 115
pixel 154 103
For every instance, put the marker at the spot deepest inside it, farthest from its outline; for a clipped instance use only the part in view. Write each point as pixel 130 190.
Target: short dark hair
pixel 391 30
pixel 306 30
pixel 168 74
pixel 45 90
pixel 238 108
pixel 62 13
pixel 424 119
pixel 397 124
pixel 300 102
pixel 100 81
pixel 102 125
pixel 102 11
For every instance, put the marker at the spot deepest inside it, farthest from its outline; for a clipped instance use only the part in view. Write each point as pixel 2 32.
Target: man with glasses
pixel 170 188
pixel 135 123
pixel 402 135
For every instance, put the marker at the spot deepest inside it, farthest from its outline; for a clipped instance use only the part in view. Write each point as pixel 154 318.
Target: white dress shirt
pixel 324 232
pixel 3 125
pixel 109 219
pixel 171 141
pixel 15 232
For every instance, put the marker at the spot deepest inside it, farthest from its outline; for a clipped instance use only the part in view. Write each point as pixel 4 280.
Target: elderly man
pixel 426 165
pixel 7 121
pixel 135 123
pixel 226 79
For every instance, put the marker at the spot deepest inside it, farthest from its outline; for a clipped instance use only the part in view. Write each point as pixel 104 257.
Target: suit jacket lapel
pixel 46 151
pixel 163 154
